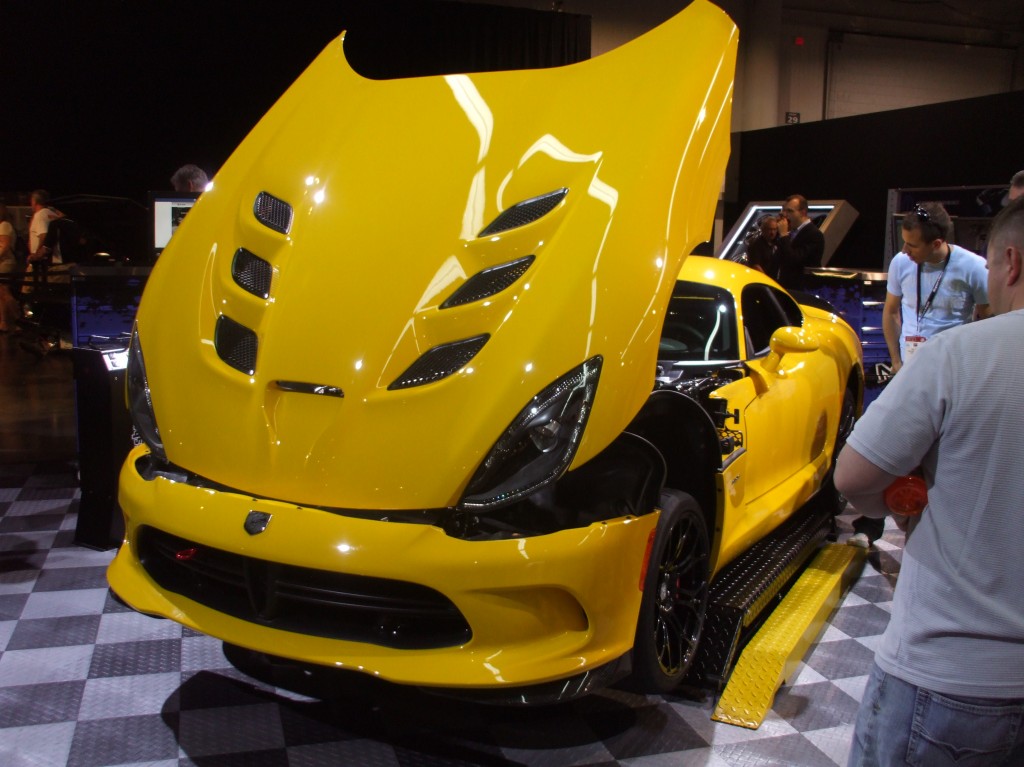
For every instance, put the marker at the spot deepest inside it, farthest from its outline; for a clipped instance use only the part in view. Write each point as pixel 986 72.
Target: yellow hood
pixel 279 322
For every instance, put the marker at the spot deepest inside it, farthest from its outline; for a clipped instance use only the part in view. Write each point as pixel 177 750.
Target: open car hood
pixel 360 307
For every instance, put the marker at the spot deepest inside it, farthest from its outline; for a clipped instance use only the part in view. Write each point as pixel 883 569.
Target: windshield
pixel 700 325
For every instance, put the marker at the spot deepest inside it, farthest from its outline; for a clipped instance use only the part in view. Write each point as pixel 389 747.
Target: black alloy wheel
pixel 675 597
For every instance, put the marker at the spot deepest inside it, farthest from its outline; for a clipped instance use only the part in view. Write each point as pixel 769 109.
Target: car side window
pixel 790 309
pixel 700 325
pixel 765 310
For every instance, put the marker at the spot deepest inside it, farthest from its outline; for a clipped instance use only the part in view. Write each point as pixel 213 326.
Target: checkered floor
pixel 86 682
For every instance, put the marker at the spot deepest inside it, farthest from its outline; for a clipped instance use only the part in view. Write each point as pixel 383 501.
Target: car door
pixel 786 421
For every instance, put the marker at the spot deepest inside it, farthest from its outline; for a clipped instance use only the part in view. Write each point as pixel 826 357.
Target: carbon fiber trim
pixel 235 344
pixel 489 282
pixel 525 212
pixel 440 362
pixel 273 213
pixel 252 273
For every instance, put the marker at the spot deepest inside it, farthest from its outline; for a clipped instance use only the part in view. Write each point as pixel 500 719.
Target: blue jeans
pixel 900 724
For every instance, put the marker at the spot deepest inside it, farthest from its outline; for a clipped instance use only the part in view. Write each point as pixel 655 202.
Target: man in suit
pixel 800 243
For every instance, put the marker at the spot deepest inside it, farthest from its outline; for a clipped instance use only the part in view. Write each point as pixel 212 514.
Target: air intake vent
pixel 302 600
pixel 236 345
pixel 252 273
pixel 303 387
pixel 525 212
pixel 440 362
pixel 273 213
pixel 488 282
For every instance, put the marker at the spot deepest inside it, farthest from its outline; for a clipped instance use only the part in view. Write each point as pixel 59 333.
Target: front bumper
pixel 538 609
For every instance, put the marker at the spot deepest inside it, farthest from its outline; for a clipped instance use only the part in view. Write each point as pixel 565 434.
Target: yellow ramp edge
pixel 776 650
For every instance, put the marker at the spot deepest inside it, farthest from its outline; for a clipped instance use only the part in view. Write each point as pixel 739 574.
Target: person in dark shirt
pixel 800 243
pixel 190 178
pixel 763 247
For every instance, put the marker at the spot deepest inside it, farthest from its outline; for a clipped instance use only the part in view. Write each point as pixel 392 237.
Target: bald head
pixel 1016 186
pixel 1005 259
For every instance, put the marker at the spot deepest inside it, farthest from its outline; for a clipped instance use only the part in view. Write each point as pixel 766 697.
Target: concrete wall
pixel 813 59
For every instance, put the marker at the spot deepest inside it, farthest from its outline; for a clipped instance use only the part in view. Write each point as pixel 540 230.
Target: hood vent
pixel 235 344
pixel 488 282
pixel 525 212
pixel 252 273
pixel 273 213
pixel 440 362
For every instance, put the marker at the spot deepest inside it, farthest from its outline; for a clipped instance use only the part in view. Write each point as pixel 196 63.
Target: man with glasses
pixel 947 685
pixel 932 286
pixel 800 243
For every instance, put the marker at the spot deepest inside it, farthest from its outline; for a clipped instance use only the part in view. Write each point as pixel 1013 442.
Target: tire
pixel 830 498
pixel 675 597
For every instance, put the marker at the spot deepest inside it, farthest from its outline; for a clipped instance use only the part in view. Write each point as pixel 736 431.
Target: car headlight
pixel 140 402
pixel 540 444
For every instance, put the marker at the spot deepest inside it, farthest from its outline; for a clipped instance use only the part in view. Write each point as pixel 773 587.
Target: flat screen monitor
pixel 168 210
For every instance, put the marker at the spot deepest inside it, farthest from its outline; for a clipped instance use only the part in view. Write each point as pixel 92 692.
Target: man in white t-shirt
pixel 9 310
pixel 40 256
pixel 42 215
pixel 932 285
pixel 947 685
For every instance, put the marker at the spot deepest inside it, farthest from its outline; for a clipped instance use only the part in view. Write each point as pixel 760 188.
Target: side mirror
pixel 787 340
pixel 792 339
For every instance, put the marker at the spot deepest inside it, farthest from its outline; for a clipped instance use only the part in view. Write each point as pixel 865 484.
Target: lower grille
pixel 302 600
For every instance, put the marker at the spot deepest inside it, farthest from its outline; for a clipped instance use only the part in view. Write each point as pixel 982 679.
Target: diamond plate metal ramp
pixel 775 651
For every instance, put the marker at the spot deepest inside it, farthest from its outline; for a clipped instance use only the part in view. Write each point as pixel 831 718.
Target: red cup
pixel 907 495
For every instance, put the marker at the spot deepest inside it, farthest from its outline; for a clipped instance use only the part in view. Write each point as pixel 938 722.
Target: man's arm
pixel 892 327
pixel 862 483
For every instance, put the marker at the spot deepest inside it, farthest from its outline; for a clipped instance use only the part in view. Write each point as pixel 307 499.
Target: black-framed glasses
pixel 922 215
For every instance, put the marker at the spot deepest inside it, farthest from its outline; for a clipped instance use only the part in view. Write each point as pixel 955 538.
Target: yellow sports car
pixel 420 396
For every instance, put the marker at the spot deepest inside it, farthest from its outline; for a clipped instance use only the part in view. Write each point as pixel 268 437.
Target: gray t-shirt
pixel 957 410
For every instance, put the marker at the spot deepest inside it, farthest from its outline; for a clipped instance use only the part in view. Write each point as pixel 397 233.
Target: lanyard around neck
pixel 923 310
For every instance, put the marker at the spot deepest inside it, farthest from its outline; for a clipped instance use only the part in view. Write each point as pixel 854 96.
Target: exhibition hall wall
pixel 109 97
pixel 958 143
pixel 118 95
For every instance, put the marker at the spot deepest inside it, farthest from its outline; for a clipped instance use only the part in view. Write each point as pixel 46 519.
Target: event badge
pixel 912 344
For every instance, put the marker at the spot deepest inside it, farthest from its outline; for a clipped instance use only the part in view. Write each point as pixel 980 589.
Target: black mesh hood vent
pixel 273 213
pixel 440 362
pixel 525 212
pixel 488 282
pixel 252 273
pixel 235 344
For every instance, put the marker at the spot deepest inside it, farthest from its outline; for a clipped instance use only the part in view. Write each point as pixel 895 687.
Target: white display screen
pixel 168 213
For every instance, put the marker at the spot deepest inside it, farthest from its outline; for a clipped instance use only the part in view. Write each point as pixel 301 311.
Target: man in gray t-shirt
pixel 948 678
